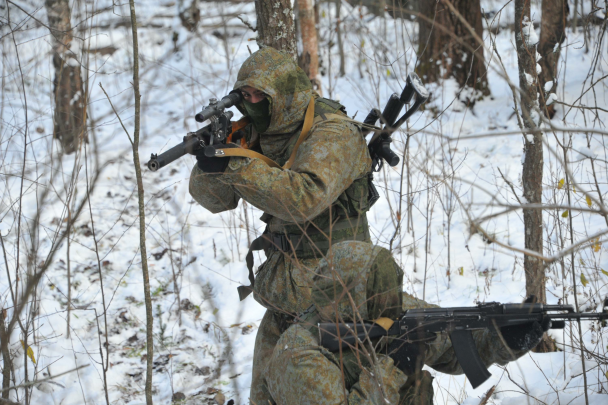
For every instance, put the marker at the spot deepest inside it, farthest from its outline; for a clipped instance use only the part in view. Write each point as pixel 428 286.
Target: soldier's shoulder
pixel 327 106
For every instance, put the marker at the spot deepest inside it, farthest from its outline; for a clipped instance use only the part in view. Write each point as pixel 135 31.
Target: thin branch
pixel 116 112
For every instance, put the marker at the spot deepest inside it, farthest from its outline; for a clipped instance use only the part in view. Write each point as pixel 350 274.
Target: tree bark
pixel 309 60
pixel 276 26
pixel 6 357
pixel 70 103
pixel 552 35
pixel 532 174
pixel 452 51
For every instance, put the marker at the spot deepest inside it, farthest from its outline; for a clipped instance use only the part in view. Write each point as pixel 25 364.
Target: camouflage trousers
pixel 291 368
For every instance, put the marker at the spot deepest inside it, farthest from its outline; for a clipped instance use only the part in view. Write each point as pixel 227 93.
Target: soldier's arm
pixel 211 192
pixel 333 155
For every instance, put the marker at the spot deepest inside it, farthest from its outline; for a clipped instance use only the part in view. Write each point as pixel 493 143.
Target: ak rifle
pixel 416 325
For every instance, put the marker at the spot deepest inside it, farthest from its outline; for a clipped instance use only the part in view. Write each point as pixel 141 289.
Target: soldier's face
pixel 252 95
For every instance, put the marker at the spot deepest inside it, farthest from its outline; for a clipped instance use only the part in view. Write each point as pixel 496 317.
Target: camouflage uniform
pixel 302 372
pixel 327 185
pixel 324 193
pixel 355 281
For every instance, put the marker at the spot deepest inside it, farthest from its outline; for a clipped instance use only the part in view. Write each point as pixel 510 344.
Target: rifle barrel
pixel 158 161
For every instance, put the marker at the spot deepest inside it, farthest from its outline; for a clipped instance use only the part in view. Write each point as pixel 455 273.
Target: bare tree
pixel 275 25
pixel 446 47
pixel 309 60
pixel 552 34
pixel 532 175
pixel 70 106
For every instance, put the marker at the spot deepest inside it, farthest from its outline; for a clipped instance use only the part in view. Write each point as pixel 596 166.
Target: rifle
pixel 458 322
pixel 219 131
pixel 380 145
pixel 222 130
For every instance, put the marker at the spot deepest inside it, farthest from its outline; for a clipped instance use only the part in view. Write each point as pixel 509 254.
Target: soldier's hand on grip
pixel 407 356
pixel 213 164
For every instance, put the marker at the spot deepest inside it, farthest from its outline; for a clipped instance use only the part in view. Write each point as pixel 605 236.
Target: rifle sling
pixel 309 119
pixel 309 122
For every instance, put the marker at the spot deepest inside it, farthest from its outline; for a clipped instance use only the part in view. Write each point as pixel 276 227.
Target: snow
pixel 551 99
pixel 203 254
pixel 530 36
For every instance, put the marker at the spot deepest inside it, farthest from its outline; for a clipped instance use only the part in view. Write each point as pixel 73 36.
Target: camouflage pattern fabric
pixel 327 171
pixel 354 281
pixel 360 281
pixel 286 85
pixel 351 272
pixel 301 372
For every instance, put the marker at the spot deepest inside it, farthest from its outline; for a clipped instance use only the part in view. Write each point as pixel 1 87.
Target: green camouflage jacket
pixel 329 163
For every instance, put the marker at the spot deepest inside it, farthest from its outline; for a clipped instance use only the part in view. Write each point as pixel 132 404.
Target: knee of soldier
pixel 295 366
pixel 293 345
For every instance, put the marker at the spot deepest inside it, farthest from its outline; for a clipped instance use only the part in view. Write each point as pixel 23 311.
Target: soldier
pixel 357 281
pixel 323 192
pixel 318 189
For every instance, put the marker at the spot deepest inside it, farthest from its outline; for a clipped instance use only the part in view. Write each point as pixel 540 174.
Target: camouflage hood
pixel 287 86
pixel 366 273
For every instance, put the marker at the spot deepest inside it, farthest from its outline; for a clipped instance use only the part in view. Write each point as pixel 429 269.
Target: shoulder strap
pixel 240 152
pixel 309 122
pixel 328 116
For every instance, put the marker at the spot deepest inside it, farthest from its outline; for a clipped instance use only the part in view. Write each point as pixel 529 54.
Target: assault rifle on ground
pixel 419 324
pixel 219 131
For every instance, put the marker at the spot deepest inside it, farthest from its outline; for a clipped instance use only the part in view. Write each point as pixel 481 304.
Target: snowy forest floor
pixel 204 336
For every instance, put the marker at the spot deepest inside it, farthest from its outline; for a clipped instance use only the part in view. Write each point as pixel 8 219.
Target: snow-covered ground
pixel 204 336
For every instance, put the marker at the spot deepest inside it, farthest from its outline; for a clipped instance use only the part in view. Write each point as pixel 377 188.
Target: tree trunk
pixel 447 48
pixel 70 103
pixel 532 175
pixel 190 15
pixel 552 34
pixel 276 26
pixel 309 60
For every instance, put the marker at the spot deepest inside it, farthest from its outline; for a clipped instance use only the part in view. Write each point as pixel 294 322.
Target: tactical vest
pixel 344 220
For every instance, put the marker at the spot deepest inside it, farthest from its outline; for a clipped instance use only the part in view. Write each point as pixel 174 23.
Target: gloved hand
pixel 525 336
pixel 407 356
pixel 213 164
pixel 528 335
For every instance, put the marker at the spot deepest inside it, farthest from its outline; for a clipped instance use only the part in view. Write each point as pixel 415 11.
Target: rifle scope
pixel 217 107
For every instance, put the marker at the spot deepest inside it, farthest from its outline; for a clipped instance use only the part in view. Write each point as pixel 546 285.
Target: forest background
pixel 500 191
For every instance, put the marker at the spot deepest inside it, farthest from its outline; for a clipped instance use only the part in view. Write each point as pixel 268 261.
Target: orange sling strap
pixel 240 152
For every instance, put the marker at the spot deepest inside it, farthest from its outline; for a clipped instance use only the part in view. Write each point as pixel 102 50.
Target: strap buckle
pixel 279 242
pixel 289 243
